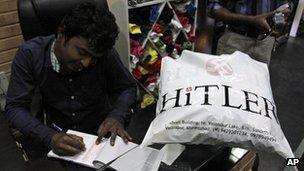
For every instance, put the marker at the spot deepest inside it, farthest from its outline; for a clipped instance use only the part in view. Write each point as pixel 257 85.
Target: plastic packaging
pixel 207 99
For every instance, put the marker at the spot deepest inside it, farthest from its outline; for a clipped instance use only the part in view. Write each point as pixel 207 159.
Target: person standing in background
pixel 249 25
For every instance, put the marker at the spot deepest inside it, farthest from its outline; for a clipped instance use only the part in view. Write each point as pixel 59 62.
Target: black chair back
pixel 42 17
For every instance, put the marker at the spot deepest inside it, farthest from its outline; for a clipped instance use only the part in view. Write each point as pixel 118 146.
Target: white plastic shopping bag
pixel 207 99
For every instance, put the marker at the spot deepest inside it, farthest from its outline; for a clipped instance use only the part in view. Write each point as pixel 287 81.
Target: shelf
pixel 159 13
pixel 156 48
pixel 192 18
pixel 165 36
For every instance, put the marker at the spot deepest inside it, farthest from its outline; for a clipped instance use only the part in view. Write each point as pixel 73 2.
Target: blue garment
pixel 80 101
pixel 245 6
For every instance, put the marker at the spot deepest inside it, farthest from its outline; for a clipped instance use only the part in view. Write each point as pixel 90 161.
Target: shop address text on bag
pixel 207 99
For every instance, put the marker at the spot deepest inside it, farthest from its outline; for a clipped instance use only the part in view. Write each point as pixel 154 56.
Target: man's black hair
pixel 95 24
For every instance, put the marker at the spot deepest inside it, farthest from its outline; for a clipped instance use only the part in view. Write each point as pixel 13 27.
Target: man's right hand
pixel 260 22
pixel 67 144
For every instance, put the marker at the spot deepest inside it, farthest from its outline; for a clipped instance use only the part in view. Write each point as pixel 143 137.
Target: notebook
pixel 139 159
pixel 97 156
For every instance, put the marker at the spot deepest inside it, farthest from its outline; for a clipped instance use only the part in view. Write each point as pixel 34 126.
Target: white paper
pixel 171 152
pixel 108 152
pixel 103 152
pixel 139 159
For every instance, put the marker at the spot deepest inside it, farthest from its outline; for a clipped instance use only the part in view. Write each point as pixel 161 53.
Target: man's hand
pixel 260 22
pixel 67 144
pixel 113 126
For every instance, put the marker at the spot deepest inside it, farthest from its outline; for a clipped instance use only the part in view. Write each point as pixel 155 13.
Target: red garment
pixel 191 36
pixel 178 47
pixel 168 40
pixel 150 79
pixel 136 48
pixel 137 51
pixel 184 20
pixel 137 74
pixel 134 43
pixel 158 28
pixel 156 66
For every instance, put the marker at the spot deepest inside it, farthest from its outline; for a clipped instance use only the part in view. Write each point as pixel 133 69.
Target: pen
pixel 57 128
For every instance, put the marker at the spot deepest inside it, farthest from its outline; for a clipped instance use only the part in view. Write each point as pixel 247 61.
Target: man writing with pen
pixel 77 72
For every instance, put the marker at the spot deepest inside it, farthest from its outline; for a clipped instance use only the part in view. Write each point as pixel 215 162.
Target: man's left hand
pixel 115 127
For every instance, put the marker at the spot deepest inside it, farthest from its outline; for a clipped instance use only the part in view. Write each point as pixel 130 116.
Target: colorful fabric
pixel 178 47
pixel 145 60
pixel 153 14
pixel 158 28
pixel 184 20
pixel 142 70
pixel 137 74
pixel 147 100
pixel 152 87
pixel 188 28
pixel 134 60
pixel 160 45
pixel 181 7
pixel 176 25
pixel 191 9
pixel 168 39
pixel 134 29
pixel 175 53
pixel 187 45
pixel 134 43
pixel 153 53
pixel 152 60
pixel 137 51
pixel 191 36
pixel 155 36
pixel 151 79
pixel 156 65
pixel 136 48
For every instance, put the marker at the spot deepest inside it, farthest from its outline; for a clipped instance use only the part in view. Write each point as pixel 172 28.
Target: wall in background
pixel 10 34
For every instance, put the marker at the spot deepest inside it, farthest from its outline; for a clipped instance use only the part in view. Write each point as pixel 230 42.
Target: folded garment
pixel 134 29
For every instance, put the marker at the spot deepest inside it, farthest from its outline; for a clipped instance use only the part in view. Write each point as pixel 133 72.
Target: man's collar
pixel 48 63
pixel 53 59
